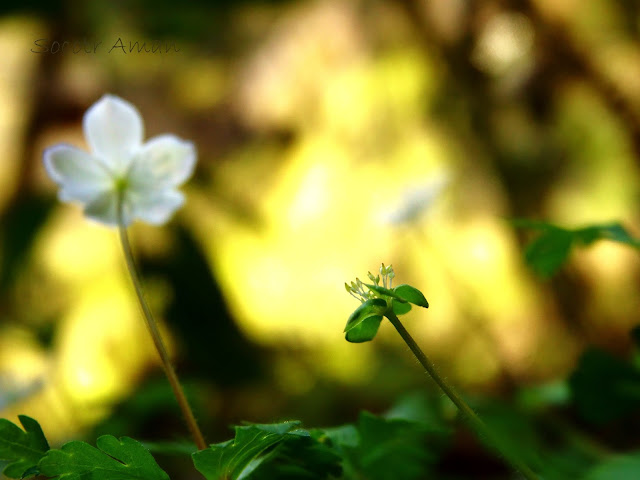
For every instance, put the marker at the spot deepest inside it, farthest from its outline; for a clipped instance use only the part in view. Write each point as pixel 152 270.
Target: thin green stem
pixel 472 417
pixel 152 326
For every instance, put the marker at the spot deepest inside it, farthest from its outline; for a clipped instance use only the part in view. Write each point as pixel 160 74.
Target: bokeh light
pixel 332 136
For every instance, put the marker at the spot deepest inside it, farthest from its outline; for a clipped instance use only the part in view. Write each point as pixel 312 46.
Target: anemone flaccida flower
pixel 121 172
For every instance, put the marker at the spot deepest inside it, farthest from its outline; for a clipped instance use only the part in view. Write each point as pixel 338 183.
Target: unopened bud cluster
pixel 361 290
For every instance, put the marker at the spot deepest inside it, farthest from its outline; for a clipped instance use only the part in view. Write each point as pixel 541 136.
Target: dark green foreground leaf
pixel 22 449
pixel 278 451
pixel 377 448
pixel 300 458
pixel 624 467
pixel 605 388
pixel 124 459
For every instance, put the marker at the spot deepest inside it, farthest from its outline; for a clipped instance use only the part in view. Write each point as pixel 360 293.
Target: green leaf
pixel 22 449
pixel 400 308
pixel 364 322
pixel 507 424
pixel 170 448
pixel 299 458
pixel 238 458
pixel 624 467
pixel 614 232
pixel 604 388
pixel 546 254
pixel 411 294
pixel 365 330
pixel 540 397
pixel 373 306
pixel 344 435
pixel 124 459
pixel 426 409
pixel 385 448
pixel 385 291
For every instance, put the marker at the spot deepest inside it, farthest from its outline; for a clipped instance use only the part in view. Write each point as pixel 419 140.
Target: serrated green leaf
pixel 411 294
pixel 238 458
pixel 22 449
pixel 124 459
pixel 365 330
pixel 373 306
pixel 400 308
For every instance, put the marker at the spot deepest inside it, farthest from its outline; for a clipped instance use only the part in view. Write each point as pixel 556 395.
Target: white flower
pixel 144 175
pixel 417 201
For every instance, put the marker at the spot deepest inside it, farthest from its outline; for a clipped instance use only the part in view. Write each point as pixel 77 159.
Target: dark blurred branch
pixel 568 54
pixel 560 56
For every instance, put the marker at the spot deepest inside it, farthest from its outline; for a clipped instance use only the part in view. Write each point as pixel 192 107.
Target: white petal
pixel 113 128
pixel 417 201
pixel 163 162
pixel 104 209
pixel 155 207
pixel 80 176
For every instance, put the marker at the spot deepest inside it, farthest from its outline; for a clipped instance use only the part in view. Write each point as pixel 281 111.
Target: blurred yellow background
pixel 332 136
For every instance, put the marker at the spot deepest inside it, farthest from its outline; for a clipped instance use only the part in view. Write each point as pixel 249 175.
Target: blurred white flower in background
pixel 145 176
pixel 416 201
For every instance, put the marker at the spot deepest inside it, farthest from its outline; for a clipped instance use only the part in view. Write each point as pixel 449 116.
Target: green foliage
pixel 170 448
pixel 22 449
pixel 550 250
pixel 401 293
pixel 383 291
pixel 377 448
pixel 624 467
pixel 545 442
pixel 266 451
pixel 365 330
pixel 406 443
pixel 374 448
pixel 411 294
pixel 605 388
pixel 546 254
pixel 124 459
pixel 508 424
pixel 363 323
pixel 400 308
pixel 301 458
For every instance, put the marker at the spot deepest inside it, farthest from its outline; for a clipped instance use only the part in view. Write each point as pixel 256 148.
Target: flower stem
pixel 152 326
pixel 472 417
